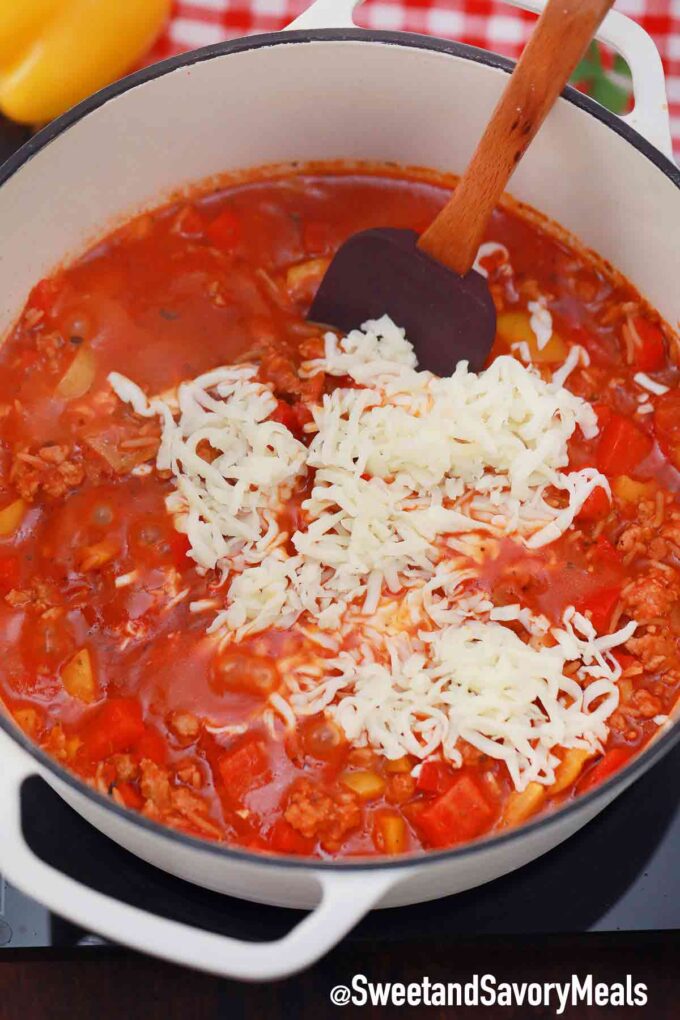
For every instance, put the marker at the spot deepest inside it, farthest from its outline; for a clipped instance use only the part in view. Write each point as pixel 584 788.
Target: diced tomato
pixel 649 351
pixel 316 237
pixel 595 507
pixel 622 447
pixel 606 767
pixel 600 605
pixel 151 745
pixel 130 796
pixel 179 547
pixel 113 728
pixel 607 555
pixel 435 777
pixel 288 840
pixel 461 813
pixel 293 416
pixel 603 413
pixel 225 230
pixel 240 768
pixel 284 414
pixel 9 573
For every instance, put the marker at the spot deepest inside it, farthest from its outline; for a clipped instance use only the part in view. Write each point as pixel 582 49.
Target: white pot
pixel 316 93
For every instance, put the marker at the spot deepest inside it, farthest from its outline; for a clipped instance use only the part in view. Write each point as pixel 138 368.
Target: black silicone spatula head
pixel 382 271
pixel 427 284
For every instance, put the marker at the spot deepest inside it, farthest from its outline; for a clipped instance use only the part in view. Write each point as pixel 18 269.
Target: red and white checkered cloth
pixel 490 24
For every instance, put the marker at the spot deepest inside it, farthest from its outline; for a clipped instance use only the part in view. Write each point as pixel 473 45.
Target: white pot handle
pixel 345 899
pixel 650 115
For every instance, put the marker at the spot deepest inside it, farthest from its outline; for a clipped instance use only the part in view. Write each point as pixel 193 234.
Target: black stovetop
pixel 620 873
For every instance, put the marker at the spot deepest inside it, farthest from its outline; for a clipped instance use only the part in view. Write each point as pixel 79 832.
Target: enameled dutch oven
pixel 317 92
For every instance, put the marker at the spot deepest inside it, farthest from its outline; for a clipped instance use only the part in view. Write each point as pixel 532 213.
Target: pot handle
pixel 650 116
pixel 345 899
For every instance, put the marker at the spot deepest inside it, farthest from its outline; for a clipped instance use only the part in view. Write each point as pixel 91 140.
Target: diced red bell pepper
pixel 225 230
pixel 649 350
pixel 240 768
pixel 622 447
pixel 130 796
pixel 151 745
pixel 287 840
pixel 606 767
pixel 113 728
pixel 600 604
pixel 435 777
pixel 461 813
pixel 595 507
pixel 9 573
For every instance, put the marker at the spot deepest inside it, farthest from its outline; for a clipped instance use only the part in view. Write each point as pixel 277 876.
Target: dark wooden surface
pixel 126 986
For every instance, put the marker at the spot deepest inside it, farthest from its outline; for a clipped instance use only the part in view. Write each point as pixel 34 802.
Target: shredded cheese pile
pixel 414 477
pixel 478 681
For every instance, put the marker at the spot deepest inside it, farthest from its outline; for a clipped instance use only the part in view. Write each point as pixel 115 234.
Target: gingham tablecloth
pixel 490 24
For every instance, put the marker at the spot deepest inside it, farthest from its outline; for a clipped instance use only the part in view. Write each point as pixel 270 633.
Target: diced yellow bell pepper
pixel 569 769
pixel 53 53
pixel 303 279
pixel 521 806
pixel 390 834
pixel 628 490
pixel 515 327
pixel 367 785
pixel 78 677
pixel 11 516
pixel 92 557
pixel 79 376
pixel 30 721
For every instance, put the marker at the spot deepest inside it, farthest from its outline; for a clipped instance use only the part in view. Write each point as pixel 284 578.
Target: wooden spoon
pixel 427 284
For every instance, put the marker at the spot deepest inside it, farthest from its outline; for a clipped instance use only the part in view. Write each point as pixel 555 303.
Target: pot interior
pixel 305 96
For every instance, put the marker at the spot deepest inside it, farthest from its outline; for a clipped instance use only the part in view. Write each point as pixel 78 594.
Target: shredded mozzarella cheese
pixel 415 479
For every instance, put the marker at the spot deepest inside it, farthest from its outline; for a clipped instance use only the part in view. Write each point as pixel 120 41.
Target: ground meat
pixel 651 595
pixel 400 787
pixel 175 805
pixel 655 533
pixel 155 784
pixel 39 596
pixel 644 704
pixel 184 725
pixel 327 816
pixel 51 471
pixel 658 653
pixel 192 808
pixel 188 772
pixel 126 767
pixel 276 368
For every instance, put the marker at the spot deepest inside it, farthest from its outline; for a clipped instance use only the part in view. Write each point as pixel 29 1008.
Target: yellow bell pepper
pixel 53 53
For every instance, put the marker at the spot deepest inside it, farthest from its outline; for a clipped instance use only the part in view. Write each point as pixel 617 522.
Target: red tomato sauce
pixel 105 666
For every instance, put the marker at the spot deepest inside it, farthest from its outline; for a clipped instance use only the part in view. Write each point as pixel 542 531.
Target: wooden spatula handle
pixel 558 42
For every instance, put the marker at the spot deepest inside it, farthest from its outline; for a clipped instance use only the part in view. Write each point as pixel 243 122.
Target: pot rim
pixel 646 758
